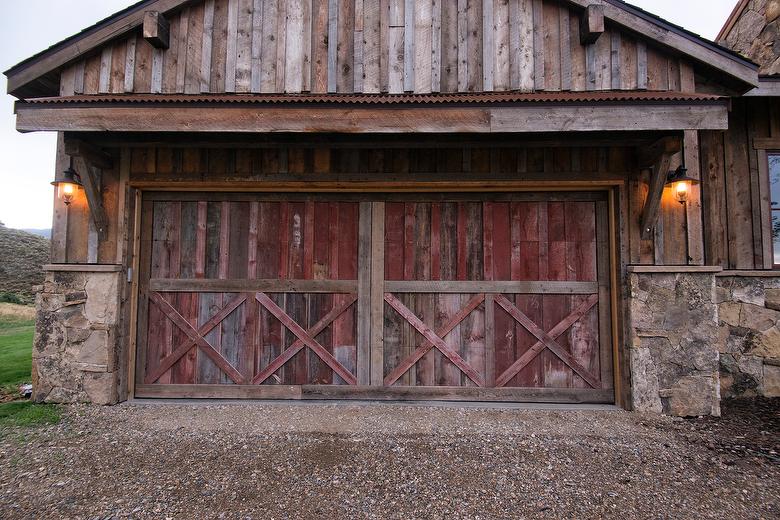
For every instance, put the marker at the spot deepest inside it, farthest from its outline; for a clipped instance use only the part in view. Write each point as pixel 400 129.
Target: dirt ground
pixel 274 461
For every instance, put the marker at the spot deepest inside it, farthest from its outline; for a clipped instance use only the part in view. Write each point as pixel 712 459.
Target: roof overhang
pixel 24 78
pixel 508 113
pixel 677 39
pixel 768 86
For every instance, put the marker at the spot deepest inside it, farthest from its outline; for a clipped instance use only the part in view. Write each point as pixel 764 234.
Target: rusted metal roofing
pixel 388 99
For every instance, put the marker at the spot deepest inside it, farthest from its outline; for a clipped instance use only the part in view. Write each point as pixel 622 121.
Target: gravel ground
pixel 274 461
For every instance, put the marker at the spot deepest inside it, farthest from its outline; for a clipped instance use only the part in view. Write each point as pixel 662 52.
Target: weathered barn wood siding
pixel 372 46
pixel 190 166
pixel 735 186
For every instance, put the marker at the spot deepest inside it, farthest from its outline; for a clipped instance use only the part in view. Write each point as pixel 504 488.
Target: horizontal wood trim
pixel 243 285
pixel 507 287
pixel 219 391
pixel 749 274
pixel 377 393
pixel 79 45
pixel 766 143
pixel 766 88
pixel 83 268
pixel 674 269
pixel 438 196
pixel 378 187
pixel 444 393
pixel 518 119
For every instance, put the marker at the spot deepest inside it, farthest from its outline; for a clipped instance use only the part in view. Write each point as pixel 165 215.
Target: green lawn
pixel 16 339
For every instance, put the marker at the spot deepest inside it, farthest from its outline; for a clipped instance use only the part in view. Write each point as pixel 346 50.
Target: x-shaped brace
pixel 305 338
pixel 547 340
pixel 434 339
pixel 195 338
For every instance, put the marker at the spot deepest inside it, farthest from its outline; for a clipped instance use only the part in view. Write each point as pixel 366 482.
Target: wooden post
pixel 377 292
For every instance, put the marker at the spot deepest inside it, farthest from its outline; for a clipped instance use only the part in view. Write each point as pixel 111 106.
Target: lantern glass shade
pixel 681 184
pixel 66 183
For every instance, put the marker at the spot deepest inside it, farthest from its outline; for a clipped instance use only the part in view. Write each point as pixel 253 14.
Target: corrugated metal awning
pixel 392 99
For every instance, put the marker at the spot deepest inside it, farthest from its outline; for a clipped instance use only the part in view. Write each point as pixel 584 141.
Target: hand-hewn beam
pixel 592 24
pixel 90 178
pixel 92 154
pixel 157 30
pixel 522 118
pixel 654 194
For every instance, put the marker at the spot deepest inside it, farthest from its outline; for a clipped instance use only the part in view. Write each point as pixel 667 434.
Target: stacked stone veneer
pixel 673 334
pixel 749 342
pixel 77 338
pixel 757 35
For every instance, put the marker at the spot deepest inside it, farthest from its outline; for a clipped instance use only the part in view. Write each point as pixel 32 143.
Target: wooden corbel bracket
pixel 89 162
pixel 658 156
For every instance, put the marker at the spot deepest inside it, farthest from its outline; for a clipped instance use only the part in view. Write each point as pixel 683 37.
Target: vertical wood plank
pixel 231 46
pixel 244 31
pixel 372 34
pixel 194 50
pixel 409 49
pixel 129 77
pixel 219 47
pixel 333 38
pixel 693 207
pixel 294 52
pixel 488 45
pixel 474 47
pixel 423 46
pixel 182 49
pixel 346 43
pixel 566 66
pixel 206 46
pixel 319 51
pixel 578 55
pixel 269 45
pixel 641 65
pixel 364 338
pixel 104 82
pixel 462 42
pixel 377 292
pixel 539 51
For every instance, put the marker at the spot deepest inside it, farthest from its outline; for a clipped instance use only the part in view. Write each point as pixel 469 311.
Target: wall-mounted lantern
pixel 67 182
pixel 681 184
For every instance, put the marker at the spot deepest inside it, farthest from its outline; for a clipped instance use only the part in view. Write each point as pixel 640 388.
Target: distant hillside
pixel 21 256
pixel 45 233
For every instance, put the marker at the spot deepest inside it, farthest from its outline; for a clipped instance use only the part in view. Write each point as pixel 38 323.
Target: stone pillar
pixel 749 313
pixel 673 334
pixel 75 351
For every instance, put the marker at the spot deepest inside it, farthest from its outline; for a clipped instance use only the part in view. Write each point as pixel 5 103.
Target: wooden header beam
pixel 520 119
pixel 592 24
pixel 157 30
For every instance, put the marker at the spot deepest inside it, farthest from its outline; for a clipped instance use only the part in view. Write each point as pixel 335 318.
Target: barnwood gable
pixel 380 46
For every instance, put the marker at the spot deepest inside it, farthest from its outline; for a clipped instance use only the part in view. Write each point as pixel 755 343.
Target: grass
pixel 27 413
pixel 16 339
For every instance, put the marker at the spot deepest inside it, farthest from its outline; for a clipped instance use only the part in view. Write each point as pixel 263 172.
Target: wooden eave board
pixel 351 119
pixel 24 79
pixel 85 42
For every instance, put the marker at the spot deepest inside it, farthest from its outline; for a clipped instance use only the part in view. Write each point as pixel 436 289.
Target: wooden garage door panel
pixel 500 292
pixel 499 244
pixel 196 246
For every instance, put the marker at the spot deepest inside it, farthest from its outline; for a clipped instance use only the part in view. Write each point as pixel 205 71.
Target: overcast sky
pixel 29 26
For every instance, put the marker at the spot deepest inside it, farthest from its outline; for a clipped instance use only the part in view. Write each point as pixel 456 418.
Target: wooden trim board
pixel 519 119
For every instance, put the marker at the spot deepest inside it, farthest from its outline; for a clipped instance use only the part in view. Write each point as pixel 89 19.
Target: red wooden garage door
pixel 501 297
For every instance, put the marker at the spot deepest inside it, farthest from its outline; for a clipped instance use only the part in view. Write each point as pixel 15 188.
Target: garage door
pixel 495 297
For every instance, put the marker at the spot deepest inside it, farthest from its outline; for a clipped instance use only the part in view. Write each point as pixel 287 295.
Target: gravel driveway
pixel 268 461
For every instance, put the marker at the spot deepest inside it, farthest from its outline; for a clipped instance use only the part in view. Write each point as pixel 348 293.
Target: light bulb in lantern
pixel 681 189
pixel 66 183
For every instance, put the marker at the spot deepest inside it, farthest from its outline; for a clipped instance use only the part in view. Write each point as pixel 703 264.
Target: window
pixel 774 182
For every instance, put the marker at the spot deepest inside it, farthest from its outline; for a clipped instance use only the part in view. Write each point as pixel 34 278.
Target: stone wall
pixel 749 314
pixel 757 35
pixel 77 338
pixel 672 338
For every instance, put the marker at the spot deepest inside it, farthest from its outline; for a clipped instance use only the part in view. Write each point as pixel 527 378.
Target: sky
pixel 27 160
